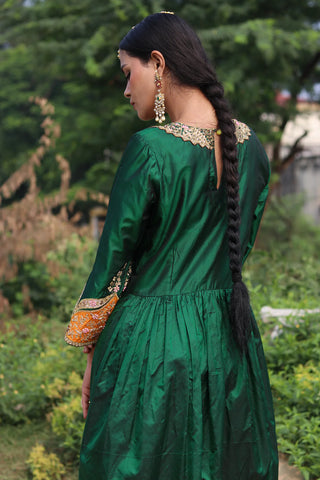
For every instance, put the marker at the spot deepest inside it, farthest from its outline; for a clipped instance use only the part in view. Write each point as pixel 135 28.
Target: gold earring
pixel 159 107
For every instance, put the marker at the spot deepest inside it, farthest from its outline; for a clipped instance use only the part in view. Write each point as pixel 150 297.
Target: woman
pixel 179 387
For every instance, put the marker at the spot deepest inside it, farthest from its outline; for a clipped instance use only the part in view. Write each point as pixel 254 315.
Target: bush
pixel 29 364
pixel 294 366
pixel 30 289
pixel 67 423
pixel 66 417
pixel 52 288
pixel 45 466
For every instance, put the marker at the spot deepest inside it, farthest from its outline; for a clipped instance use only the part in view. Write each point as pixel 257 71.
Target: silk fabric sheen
pixel 171 397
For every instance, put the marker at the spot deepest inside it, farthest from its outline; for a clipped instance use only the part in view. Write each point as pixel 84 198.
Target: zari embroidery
pixel 90 314
pixel 114 287
pixel 203 136
pixel 85 325
pixel 197 136
pixel 242 131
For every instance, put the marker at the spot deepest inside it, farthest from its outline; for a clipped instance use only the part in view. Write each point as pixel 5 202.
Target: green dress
pixel 171 397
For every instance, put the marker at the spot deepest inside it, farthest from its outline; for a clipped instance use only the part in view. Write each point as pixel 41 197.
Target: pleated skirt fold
pixel 173 399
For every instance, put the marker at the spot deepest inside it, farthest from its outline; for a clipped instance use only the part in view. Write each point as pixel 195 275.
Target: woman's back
pixel 185 246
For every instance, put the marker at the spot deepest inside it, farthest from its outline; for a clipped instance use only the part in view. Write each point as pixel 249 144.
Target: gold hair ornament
pixel 170 13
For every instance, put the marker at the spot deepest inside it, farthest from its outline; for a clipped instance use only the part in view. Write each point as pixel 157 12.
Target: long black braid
pixel 240 303
pixel 189 65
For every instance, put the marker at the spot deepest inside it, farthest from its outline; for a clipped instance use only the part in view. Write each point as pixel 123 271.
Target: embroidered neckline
pixel 203 136
pixel 197 136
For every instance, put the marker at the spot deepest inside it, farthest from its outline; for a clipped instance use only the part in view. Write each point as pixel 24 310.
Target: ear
pixel 158 60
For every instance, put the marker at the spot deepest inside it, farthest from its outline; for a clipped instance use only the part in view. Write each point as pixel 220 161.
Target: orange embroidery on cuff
pixel 91 314
pixel 86 325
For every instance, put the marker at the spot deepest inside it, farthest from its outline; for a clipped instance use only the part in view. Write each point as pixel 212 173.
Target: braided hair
pixel 188 63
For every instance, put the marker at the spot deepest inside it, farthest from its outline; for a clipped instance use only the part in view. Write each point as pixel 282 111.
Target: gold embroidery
pixel 242 131
pixel 91 314
pixel 114 287
pixel 203 136
pixel 198 136
pixel 85 325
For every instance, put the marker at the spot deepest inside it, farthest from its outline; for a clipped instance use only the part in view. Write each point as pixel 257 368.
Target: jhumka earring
pixel 159 107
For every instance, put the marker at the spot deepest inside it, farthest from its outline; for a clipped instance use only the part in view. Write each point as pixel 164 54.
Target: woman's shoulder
pixel 247 140
pixel 149 135
pixel 251 153
pixel 154 141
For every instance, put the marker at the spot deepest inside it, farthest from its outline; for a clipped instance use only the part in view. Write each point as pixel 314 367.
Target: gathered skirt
pixel 172 398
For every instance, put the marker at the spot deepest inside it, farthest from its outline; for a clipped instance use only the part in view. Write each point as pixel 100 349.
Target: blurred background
pixel 64 124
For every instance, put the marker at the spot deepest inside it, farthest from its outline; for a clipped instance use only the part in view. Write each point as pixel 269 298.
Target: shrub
pixel 67 423
pixel 30 289
pixel 66 417
pixel 32 359
pixel 294 365
pixel 51 288
pixel 45 466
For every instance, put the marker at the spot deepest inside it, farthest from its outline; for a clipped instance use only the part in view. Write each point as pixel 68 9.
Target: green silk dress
pixel 171 396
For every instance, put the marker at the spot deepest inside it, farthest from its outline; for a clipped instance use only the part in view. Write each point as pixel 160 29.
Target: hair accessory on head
pixel 170 13
pixel 118 54
pixel 219 132
pixel 159 107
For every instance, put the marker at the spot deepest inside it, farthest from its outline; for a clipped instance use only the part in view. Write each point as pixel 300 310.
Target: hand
pixel 88 348
pixel 85 398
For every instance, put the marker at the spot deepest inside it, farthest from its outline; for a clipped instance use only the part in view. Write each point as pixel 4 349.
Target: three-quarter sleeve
pixel 254 168
pixel 133 197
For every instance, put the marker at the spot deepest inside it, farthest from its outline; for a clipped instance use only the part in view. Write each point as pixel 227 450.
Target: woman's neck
pixel 190 107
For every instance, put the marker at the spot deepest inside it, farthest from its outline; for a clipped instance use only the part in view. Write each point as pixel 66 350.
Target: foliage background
pixel 66 52
pixel 63 55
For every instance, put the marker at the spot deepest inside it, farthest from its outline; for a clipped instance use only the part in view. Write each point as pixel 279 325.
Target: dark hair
pixel 188 63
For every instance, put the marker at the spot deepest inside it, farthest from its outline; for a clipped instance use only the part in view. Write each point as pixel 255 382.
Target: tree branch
pixel 295 148
pixel 309 68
